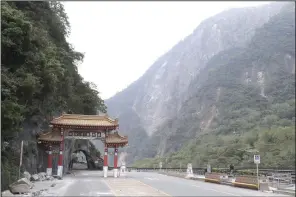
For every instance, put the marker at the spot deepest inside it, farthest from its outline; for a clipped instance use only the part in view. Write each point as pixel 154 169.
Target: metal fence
pixel 277 176
pixel 281 180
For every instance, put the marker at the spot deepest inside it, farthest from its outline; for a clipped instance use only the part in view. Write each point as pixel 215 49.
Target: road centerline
pixel 153 188
pixel 111 190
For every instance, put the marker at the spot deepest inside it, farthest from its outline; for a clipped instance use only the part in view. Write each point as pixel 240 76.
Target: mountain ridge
pixel 249 95
pixel 159 94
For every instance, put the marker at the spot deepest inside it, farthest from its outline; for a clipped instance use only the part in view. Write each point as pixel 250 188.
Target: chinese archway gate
pixel 77 126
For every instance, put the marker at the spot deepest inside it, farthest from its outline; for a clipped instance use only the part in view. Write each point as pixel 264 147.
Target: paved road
pixel 175 186
pixel 91 183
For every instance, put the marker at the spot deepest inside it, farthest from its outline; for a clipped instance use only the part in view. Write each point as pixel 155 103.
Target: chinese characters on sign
pixel 86 134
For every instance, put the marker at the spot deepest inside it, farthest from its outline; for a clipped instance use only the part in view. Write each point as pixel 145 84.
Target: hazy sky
pixel 122 39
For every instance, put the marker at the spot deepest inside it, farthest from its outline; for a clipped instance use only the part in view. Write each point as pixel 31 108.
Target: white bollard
pixel 209 168
pixel 122 171
pixel 105 170
pixel 60 171
pixel 49 171
pixel 115 171
pixel 189 171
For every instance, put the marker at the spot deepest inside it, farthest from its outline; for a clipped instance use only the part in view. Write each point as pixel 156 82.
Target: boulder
pixel 50 178
pixel 42 173
pixel 26 181
pixel 35 177
pixel 42 176
pixel 27 175
pixel 36 193
pixel 21 186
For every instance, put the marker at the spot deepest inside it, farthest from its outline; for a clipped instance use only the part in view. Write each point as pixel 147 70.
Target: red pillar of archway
pixel 115 157
pixel 105 167
pixel 49 161
pixel 115 162
pixel 60 162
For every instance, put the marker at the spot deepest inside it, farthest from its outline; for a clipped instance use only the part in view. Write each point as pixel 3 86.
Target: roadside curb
pixel 221 183
pixel 284 192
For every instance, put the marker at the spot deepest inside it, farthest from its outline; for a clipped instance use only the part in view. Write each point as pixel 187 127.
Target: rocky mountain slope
pixel 158 112
pixel 243 91
pixel 39 80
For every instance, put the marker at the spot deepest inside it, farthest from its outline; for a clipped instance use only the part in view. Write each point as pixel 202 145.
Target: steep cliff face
pixel 157 97
pixel 39 79
pixel 240 88
pixel 242 102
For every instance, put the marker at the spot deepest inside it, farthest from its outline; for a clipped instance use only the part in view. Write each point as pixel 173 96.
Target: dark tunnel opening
pixel 82 160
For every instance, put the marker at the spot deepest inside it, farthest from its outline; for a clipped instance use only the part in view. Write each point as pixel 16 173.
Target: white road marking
pixel 103 193
pixel 132 187
pixel 95 193
pixel 153 188
pixel 151 178
pixel 162 174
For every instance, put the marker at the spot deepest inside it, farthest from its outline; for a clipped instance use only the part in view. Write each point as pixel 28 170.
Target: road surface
pixel 92 183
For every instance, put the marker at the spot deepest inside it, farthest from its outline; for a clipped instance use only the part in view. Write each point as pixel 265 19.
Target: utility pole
pixel 21 158
pixel 257 162
pixel 257 175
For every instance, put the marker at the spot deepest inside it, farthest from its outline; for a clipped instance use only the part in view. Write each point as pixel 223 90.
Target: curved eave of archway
pixel 106 128
pixel 115 139
pixel 80 121
pixel 49 138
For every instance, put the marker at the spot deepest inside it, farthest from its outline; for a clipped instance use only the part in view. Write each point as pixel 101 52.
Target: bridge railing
pixel 195 170
pixel 201 171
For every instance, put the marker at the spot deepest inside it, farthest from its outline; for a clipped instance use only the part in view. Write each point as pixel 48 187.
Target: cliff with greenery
pixel 39 79
pixel 158 111
pixel 242 103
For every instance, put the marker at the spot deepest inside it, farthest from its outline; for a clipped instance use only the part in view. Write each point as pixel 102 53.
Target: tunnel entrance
pixel 78 161
pixel 82 160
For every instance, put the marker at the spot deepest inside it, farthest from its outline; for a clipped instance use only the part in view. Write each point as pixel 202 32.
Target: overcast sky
pixel 122 39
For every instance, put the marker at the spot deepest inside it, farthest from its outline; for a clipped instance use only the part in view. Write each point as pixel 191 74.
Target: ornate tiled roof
pixel 115 138
pixel 50 136
pixel 85 120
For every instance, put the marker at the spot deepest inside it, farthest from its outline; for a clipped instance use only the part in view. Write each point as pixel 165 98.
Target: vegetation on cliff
pixel 241 104
pixel 238 150
pixel 39 73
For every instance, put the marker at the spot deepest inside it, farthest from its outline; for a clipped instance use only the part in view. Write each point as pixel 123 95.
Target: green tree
pixel 39 74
